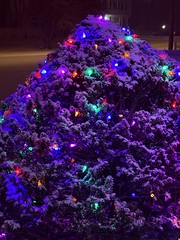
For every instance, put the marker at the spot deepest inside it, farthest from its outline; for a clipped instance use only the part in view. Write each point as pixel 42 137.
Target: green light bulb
pixel 128 38
pixel 165 67
pixel 35 110
pixel 2 119
pixel 95 108
pixel 84 168
pixel 96 206
pixel 30 148
pixel 88 72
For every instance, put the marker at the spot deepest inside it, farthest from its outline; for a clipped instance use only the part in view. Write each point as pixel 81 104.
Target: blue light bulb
pixel 133 195
pixel 43 71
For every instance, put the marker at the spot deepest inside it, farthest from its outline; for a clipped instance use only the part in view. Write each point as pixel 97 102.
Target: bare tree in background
pixel 60 15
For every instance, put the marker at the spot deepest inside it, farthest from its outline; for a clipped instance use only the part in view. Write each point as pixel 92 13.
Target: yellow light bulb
pixel 152 195
pixel 126 54
pixel 76 113
pixel 39 183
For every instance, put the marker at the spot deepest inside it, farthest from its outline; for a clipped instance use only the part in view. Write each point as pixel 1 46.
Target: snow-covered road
pixel 14 67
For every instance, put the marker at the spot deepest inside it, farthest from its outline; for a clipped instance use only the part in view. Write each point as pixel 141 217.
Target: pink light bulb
pixel 133 123
pixel 73 145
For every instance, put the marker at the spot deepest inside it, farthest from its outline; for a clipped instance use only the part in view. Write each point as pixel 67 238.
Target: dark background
pixel 29 29
pixel 48 20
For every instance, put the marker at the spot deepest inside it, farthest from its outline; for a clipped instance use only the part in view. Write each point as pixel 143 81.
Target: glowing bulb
pixel 105 101
pixel 74 199
pixel 133 123
pixel 96 46
pixel 95 206
pixel 3 236
pixel 135 36
pixel 7 113
pixel 110 40
pixel 171 73
pixel 106 17
pixel 35 110
pixel 28 96
pixel 62 71
pixel 74 74
pixel 174 104
pixel 30 148
pixel 100 17
pixel 163 56
pixel 39 183
pixel 84 168
pixel 129 38
pixel 128 31
pixel 77 113
pixel 152 195
pixel 165 67
pixel 55 146
pixel 121 41
pixel 126 54
pixel 18 171
pixel 133 195
pixel 177 72
pixel 34 201
pixel 108 117
pixel 43 71
pixel 89 72
pixel 38 74
pixel 116 64
pixel 72 160
pixel 84 35
pixel 120 115
pixel 70 41
pixel 73 145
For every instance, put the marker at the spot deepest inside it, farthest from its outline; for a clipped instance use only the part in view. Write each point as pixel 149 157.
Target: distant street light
pixel 163 26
